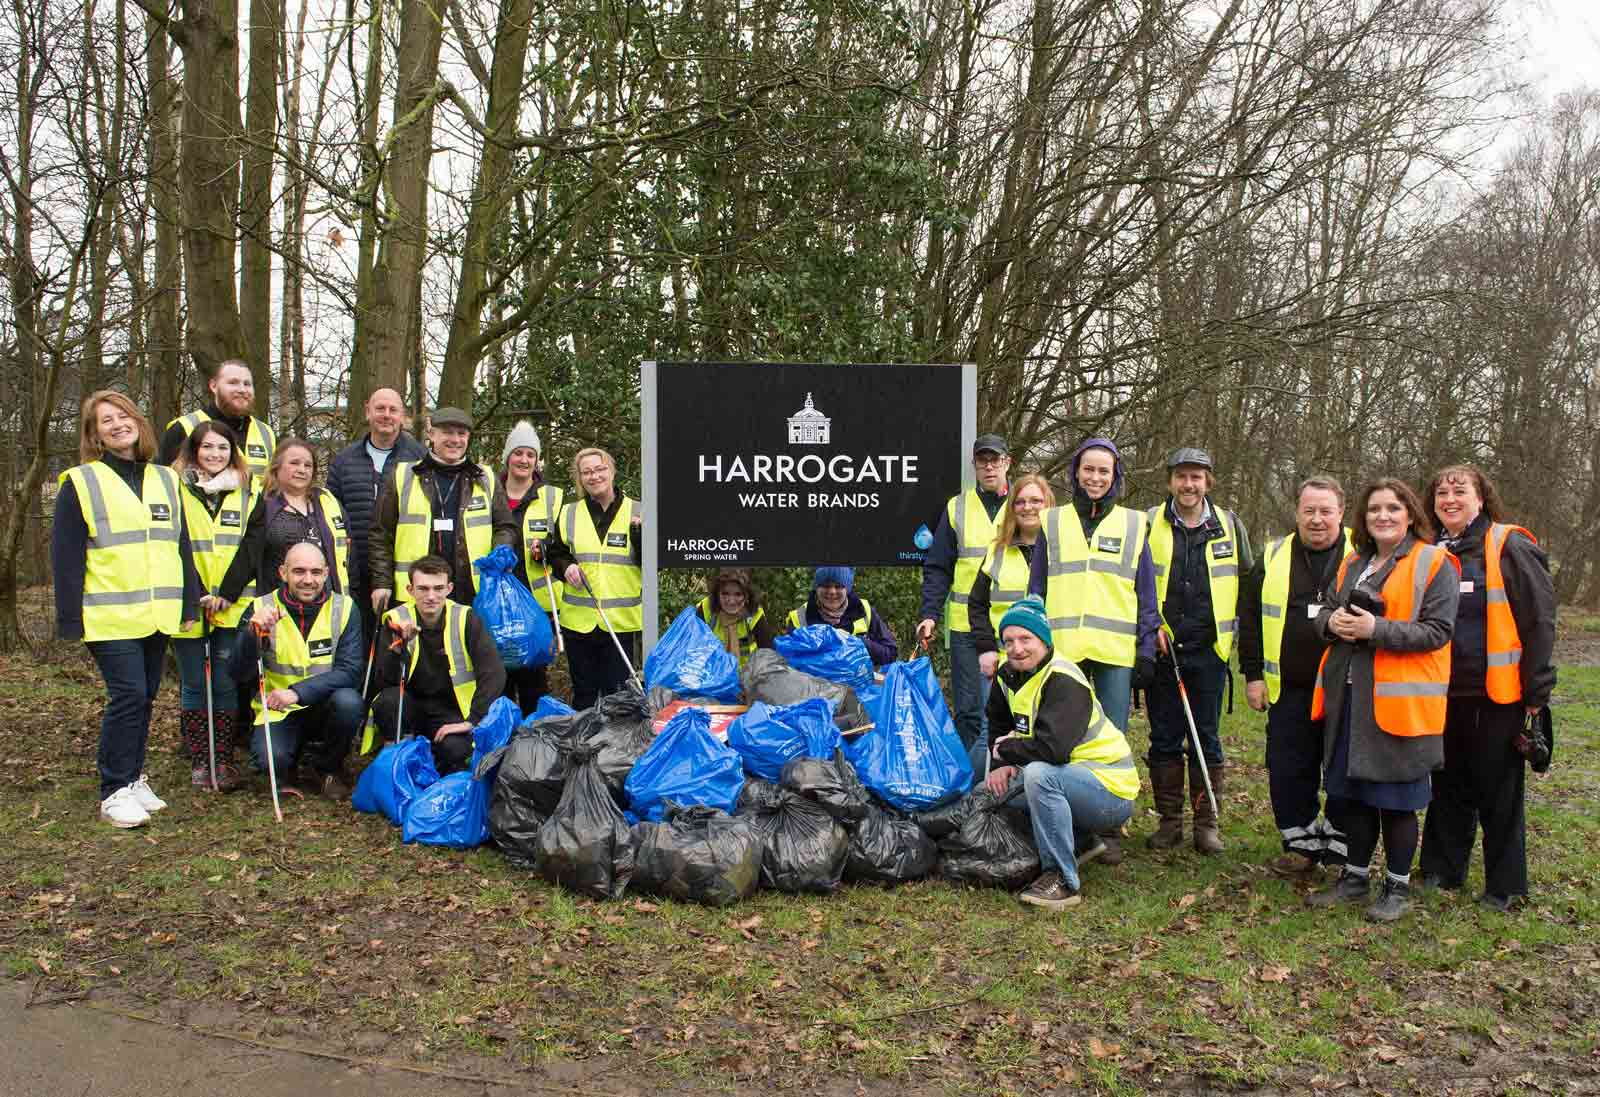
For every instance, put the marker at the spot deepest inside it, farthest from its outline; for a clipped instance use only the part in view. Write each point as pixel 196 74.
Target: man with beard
pixel 233 399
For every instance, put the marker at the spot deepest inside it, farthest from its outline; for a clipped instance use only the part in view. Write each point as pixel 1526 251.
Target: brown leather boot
pixel 1207 839
pixel 1166 784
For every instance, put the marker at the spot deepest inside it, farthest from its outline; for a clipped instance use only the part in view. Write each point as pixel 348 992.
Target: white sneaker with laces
pixel 146 796
pixel 122 809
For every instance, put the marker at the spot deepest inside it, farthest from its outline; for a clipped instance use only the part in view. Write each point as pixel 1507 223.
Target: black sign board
pixel 773 464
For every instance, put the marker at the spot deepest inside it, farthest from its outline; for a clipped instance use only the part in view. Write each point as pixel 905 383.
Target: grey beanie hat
pixel 522 434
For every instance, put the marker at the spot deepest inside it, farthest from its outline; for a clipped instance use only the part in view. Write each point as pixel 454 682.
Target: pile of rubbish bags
pixel 599 802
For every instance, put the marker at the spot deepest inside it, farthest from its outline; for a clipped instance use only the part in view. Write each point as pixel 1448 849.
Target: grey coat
pixel 1375 755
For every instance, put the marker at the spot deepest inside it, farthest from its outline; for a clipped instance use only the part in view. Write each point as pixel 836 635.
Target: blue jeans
pixel 334 722
pixel 971 690
pixel 1064 802
pixel 1113 688
pixel 191 653
pixel 132 672
pixel 1206 677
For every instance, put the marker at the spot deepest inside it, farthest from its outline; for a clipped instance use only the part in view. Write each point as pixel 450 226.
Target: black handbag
pixel 1536 740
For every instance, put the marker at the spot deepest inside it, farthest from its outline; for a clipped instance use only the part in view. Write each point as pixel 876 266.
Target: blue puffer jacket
pixel 354 482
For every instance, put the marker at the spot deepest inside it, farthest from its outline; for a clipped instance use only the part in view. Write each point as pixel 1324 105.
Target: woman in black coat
pixel 1500 675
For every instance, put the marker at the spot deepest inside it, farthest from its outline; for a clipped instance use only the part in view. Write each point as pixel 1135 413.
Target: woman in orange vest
pixel 1381 689
pixel 1500 673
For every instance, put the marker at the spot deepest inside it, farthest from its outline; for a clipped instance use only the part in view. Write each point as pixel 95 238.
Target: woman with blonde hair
pixel 595 550
pixel 290 510
pixel 124 582
pixel 1003 576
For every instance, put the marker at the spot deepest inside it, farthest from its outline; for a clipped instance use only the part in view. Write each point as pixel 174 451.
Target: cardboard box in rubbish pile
pixel 721 716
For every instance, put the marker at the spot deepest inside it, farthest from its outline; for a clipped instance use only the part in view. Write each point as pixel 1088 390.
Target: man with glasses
pixel 966 529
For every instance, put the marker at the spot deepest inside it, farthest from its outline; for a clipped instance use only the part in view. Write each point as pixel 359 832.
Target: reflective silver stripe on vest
pixel 1161 569
pixel 1227 626
pixel 104 536
pixel 131 597
pixel 1126 763
pixel 407 479
pixel 1271 610
pixel 959 598
pixel 455 626
pixel 1505 658
pixel 1108 624
pixel 1411 689
pixel 199 546
pixel 588 602
pixel 962 551
pixel 1496 596
pixel 1225 571
pixel 1068 567
pixel 1271 667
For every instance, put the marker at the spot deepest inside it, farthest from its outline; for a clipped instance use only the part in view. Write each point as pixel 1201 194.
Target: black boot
pixel 1392 902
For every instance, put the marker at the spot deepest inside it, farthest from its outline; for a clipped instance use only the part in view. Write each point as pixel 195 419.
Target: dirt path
pixel 77 1049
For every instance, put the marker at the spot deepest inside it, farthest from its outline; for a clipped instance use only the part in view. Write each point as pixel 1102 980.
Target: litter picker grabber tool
pixel 398 645
pixel 1188 713
pixel 262 636
pixel 366 680
pixel 211 709
pixel 598 604
pixel 555 610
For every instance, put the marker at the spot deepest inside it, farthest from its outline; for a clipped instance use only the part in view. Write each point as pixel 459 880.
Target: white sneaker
pixel 146 796
pixel 121 809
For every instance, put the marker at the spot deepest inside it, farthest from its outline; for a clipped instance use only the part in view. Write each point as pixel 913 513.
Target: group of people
pixel 1398 660
pixel 1401 662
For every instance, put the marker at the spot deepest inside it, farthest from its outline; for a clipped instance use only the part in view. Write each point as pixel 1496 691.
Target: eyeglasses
pixel 1028 504
pixel 988 460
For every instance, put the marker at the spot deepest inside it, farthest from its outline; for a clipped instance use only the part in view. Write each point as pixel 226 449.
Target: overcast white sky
pixel 1563 48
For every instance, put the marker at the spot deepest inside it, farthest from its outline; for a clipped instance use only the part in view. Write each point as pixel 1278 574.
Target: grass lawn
pixel 1177 972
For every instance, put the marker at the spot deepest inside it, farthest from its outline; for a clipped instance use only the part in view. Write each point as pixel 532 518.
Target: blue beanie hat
pixel 1028 614
pixel 845 577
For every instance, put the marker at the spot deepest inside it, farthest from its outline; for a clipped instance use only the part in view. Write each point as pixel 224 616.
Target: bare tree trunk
pixel 161 160
pixel 292 335
pixel 393 317
pixel 490 195
pixel 361 377
pixel 255 198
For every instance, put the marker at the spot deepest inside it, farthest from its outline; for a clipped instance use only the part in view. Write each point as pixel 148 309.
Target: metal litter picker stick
pixel 607 621
pixel 1194 732
pixel 262 636
pixel 555 609
pixel 211 709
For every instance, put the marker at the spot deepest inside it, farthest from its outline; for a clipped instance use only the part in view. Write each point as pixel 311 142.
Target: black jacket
pixel 1311 575
pixel 174 437
pixel 380 537
pixel 354 482
pixel 272 529
pixel 431 677
pixel 1187 606
pixel 69 552
pixel 1059 725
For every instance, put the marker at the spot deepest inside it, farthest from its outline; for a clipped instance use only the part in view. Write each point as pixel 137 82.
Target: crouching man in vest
pixel 312 663
pixel 1076 768
pixel 452 671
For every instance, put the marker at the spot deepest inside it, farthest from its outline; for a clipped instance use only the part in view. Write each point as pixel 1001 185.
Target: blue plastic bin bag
pixel 768 736
pixel 508 610
pixel 453 812
pixel 823 651
pixel 394 778
pixel 691 662
pixel 687 766
pixel 912 759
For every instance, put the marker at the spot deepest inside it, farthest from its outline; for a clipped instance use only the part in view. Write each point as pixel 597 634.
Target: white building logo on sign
pixel 809 427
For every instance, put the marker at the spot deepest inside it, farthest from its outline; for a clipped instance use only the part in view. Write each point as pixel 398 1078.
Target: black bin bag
pixel 991 847
pixel 830 783
pixel 585 846
pixel 699 855
pixel 528 785
pixel 618 731
pixel 888 849
pixel 804 847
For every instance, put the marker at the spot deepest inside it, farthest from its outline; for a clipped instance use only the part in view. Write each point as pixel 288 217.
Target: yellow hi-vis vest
pixel 1276 557
pixel 858 627
pixel 974 531
pixel 291 658
pixel 744 637
pixel 337 526
pixel 614 579
pixel 1090 595
pixel 414 517
pixel 259 442
pixel 1222 571
pixel 215 542
pixel 1008 582
pixel 1104 750
pixel 463 677
pixel 133 573
pixel 538 522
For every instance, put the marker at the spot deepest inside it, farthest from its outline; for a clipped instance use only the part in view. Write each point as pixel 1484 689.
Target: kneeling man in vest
pixel 1075 765
pixel 312 659
pixel 453 672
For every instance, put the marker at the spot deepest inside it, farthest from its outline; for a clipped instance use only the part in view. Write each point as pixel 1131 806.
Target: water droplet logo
pixel 923 539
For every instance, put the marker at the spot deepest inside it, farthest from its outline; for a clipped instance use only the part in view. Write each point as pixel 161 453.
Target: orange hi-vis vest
pixel 1410 689
pixel 1503 680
